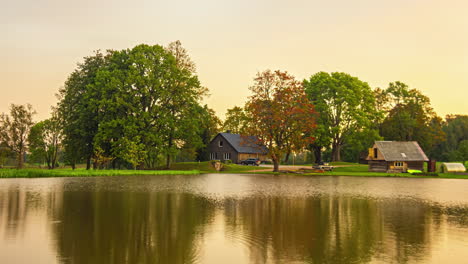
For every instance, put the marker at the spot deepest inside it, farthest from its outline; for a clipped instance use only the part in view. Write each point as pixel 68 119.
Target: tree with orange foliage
pixel 279 114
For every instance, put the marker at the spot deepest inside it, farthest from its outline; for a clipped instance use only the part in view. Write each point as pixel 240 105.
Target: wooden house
pixel 235 147
pixel 396 156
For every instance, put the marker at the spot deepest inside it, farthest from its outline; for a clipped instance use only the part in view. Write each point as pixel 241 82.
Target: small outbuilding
pixel 452 167
pixel 396 156
pixel 235 147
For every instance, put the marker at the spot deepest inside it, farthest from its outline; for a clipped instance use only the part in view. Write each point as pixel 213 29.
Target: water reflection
pixel 123 220
pixel 109 227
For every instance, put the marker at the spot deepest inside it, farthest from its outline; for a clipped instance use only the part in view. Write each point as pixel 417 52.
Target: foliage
pixel 236 120
pixel 148 99
pixel 134 106
pixel 277 95
pixel 410 117
pixel 14 129
pixel 45 140
pixel 209 126
pixel 78 109
pixel 463 150
pixel 5 153
pixel 455 128
pixel 346 108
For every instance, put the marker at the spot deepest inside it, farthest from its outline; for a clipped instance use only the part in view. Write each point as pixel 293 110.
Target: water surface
pixel 217 218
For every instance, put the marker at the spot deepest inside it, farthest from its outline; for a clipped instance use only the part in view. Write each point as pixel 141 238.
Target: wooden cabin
pixel 396 156
pixel 235 147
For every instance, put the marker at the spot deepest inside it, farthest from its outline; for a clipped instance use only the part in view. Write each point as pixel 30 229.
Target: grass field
pixel 38 173
pixel 185 168
pixel 205 167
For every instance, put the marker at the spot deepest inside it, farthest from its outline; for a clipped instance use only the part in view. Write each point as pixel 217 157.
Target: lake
pixel 229 218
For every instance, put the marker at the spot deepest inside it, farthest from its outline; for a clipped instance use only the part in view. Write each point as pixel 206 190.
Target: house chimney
pixel 228 131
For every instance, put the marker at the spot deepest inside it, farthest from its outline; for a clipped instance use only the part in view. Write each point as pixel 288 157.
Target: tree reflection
pixel 130 227
pixel 331 229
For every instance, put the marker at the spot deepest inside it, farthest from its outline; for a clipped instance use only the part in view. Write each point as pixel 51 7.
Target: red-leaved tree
pixel 279 114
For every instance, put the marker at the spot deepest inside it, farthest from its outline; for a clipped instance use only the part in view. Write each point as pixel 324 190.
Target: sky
pixel 423 43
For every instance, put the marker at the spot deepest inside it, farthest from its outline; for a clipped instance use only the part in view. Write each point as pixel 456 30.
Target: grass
pixel 205 167
pixel 38 173
pixel 184 168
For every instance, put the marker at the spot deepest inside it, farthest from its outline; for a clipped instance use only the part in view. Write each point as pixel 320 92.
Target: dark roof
pixel 244 144
pixel 401 151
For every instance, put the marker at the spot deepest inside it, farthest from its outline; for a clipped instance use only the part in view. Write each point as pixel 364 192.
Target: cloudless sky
pixel 423 43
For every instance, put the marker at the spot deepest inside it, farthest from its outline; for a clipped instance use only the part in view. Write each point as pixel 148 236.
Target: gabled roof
pixel 401 151
pixel 244 144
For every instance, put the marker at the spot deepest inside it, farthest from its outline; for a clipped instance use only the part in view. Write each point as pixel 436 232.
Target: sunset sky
pixel 423 43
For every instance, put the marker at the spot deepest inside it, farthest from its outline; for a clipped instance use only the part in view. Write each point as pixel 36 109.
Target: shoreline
pixel 65 173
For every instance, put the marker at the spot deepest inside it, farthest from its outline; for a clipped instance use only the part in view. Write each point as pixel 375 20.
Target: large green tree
pixel 280 114
pixel 79 111
pixel 463 151
pixel 209 126
pixel 236 120
pixel 147 101
pixel 410 117
pixel 14 129
pixel 45 139
pixel 455 128
pixel 346 106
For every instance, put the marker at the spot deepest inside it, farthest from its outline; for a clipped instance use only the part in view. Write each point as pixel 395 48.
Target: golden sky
pixel 423 43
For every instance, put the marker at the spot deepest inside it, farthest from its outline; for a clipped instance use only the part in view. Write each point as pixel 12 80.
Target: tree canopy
pixel 279 114
pixel 346 107
pixel 133 106
pixel 14 129
pixel 410 117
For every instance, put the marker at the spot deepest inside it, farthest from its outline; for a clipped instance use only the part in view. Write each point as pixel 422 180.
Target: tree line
pixel 350 116
pixel 142 107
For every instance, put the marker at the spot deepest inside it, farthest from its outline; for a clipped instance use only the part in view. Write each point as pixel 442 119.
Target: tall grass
pixel 38 173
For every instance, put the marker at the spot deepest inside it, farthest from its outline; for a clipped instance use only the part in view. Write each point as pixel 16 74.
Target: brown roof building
pixel 396 156
pixel 234 147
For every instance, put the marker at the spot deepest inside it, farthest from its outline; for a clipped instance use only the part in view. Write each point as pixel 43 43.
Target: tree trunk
pixel 286 159
pixel 168 157
pixel 20 159
pixel 336 152
pixel 275 165
pixel 88 163
pixel 317 154
pixel 168 161
pixel 73 165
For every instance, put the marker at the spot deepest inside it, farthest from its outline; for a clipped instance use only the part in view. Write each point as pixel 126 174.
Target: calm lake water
pixel 220 218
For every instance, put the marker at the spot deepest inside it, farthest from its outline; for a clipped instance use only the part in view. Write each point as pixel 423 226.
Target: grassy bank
pixel 361 170
pixel 38 173
pixel 205 167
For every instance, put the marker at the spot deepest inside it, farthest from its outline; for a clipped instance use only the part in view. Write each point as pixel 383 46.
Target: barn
pixel 396 156
pixel 235 147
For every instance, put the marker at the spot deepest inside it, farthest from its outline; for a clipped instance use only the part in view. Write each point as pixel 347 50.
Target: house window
pixel 212 156
pixel 375 153
pixel 227 156
pixel 398 164
pixel 220 143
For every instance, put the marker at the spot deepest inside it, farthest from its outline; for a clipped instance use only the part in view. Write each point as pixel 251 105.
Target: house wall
pixel 416 165
pixel 378 166
pixel 371 156
pixel 392 168
pixel 219 152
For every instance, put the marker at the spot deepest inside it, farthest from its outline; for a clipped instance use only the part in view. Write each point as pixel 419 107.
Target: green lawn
pixel 38 173
pixel 205 167
pixel 353 169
